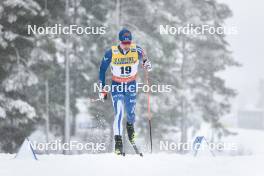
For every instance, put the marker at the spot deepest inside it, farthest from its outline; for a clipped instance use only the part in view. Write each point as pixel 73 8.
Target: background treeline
pixel 29 64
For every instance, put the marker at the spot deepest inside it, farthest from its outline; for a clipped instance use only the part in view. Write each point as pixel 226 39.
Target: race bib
pixel 124 65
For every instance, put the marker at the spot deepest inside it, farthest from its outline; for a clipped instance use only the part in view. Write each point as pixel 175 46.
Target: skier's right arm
pixel 103 68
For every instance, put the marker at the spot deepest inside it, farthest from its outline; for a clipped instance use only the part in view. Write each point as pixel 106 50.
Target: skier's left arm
pixel 143 59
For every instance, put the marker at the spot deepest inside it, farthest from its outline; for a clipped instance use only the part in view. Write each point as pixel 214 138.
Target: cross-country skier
pixel 124 60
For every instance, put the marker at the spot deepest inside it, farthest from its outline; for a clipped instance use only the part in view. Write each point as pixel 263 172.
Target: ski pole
pixel 150 135
pixel 149 114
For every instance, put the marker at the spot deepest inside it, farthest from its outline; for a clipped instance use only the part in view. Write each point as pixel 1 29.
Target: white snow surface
pixel 132 165
pixel 247 162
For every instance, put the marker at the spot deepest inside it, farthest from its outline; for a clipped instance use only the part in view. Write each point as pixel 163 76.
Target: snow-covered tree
pixel 16 75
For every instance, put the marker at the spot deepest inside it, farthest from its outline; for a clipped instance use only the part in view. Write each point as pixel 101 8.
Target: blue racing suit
pixel 124 67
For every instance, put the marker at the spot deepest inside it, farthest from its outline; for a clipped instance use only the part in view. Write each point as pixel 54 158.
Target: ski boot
pixel 118 145
pixel 130 133
pixel 131 138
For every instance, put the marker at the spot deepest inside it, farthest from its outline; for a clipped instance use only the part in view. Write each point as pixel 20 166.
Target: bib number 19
pixel 125 70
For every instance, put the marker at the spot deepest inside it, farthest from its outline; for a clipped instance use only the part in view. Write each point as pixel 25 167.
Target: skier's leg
pixel 130 105
pixel 130 102
pixel 118 104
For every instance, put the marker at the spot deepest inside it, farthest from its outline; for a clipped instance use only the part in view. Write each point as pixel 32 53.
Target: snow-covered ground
pixel 151 164
pixel 249 142
pixel 248 161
